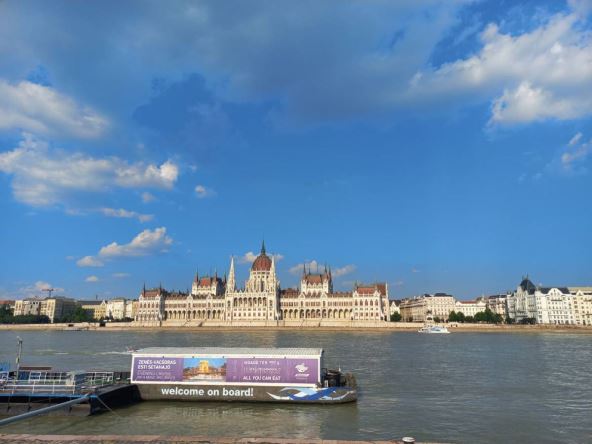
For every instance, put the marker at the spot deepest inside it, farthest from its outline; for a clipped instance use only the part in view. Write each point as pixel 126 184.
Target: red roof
pixel 262 263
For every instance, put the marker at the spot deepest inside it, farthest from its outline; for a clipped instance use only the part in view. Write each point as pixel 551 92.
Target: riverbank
pixel 318 326
pixel 126 439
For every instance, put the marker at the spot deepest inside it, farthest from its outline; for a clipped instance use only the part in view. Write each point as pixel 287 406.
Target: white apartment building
pixel 470 308
pixel 417 308
pixel 116 308
pixel 550 305
pixel 497 303
pixel 394 307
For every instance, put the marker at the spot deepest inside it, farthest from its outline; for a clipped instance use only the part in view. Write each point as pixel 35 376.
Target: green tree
pixel 78 315
pixel 469 319
pixel 452 316
pixel 437 319
pixel 396 317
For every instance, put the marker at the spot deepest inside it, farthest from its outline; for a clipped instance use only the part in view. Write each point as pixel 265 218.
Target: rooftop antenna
pixel 49 291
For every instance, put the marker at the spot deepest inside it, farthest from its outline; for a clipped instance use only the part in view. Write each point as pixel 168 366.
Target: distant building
pixel 550 305
pixel 394 306
pixel 27 306
pixel 97 309
pixel 497 303
pixel 470 308
pixel 582 304
pixel 116 308
pixel 417 308
pixel 262 299
pixel 55 308
pixel 131 306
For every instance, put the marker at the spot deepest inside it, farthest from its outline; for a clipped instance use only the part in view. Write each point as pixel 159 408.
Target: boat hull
pixel 244 393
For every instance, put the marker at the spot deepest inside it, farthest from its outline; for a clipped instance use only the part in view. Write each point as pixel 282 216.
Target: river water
pixel 463 387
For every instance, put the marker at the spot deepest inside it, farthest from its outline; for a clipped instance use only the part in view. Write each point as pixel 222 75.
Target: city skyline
pixel 437 147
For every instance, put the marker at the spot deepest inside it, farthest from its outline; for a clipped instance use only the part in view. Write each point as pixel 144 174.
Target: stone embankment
pixel 287 325
pixel 156 439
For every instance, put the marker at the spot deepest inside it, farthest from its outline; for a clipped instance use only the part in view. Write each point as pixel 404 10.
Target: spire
pixel 304 269
pixel 196 274
pixel 231 282
pixel 263 247
pixel 272 269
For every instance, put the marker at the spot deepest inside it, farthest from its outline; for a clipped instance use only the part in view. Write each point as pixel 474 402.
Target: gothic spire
pixel 263 247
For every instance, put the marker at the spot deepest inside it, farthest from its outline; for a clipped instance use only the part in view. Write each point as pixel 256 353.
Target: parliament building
pixel 215 300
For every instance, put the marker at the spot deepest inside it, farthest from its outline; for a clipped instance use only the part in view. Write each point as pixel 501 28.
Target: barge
pixel 239 374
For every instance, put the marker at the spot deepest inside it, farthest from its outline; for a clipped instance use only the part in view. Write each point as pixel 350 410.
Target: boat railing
pixel 65 383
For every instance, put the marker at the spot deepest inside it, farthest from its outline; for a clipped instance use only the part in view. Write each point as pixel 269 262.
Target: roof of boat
pixel 230 351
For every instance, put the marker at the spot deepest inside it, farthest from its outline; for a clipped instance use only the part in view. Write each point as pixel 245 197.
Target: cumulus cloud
pixel 122 213
pixel 249 257
pixel 38 289
pixel 146 243
pixel 89 261
pixel 538 75
pixel 42 176
pixel 92 279
pixel 315 267
pixel 203 192
pixel 148 197
pixel 41 109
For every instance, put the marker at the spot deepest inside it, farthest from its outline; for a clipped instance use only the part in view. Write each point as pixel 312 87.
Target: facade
pixel 55 308
pixel 394 307
pixel 131 306
pixel 28 306
pixel 417 308
pixel 262 299
pixel 116 308
pixel 497 303
pixel 470 308
pixel 550 305
pixel 97 309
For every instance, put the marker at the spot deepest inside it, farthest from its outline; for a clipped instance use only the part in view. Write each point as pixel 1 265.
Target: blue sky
pixel 437 146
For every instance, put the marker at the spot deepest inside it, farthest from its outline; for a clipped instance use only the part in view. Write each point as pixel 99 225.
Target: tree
pixel 78 315
pixel 396 317
pixel 437 319
pixel 452 316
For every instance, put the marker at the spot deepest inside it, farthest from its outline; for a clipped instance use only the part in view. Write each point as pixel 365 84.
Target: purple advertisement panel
pixel 289 370
pixel 157 369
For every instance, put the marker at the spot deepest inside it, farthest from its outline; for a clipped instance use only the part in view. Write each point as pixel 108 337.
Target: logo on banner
pixel 301 368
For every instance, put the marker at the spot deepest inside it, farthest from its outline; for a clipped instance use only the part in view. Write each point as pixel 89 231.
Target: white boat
pixel 433 329
pixel 430 327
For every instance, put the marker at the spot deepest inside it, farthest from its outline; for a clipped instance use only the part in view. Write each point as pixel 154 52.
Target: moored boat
pixel 239 374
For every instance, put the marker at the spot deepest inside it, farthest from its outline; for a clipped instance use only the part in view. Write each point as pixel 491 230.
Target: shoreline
pixel 402 327
pixel 177 439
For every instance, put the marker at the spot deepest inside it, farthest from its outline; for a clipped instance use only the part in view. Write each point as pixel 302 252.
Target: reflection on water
pixel 461 387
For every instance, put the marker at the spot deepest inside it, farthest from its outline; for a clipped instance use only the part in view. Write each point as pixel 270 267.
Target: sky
pixel 438 146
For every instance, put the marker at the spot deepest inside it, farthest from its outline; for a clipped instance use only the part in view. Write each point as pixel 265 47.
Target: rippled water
pixel 463 387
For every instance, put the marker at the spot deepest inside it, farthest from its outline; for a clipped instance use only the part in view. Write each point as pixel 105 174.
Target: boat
pixel 294 375
pixel 437 329
pixel 431 328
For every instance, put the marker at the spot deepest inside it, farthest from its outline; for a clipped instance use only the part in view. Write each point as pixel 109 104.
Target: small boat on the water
pixel 431 328
pixel 239 374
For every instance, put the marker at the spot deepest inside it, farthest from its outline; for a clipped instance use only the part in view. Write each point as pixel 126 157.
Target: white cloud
pixel 40 109
pixel 203 192
pixel 89 261
pixel 576 153
pixel 122 213
pixel 249 257
pixel 538 75
pixel 121 275
pixel 42 176
pixel 147 197
pixel 92 279
pixel 146 243
pixel 342 271
pixel 315 267
pixel 37 289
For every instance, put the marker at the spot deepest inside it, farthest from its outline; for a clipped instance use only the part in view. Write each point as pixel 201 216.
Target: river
pixel 462 387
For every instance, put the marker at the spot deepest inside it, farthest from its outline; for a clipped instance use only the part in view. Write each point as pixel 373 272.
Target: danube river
pixel 462 387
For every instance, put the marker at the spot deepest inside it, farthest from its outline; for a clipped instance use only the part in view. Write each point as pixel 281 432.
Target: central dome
pixel 262 262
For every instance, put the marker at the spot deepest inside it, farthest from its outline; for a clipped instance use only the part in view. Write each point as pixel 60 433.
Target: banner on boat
pixel 246 370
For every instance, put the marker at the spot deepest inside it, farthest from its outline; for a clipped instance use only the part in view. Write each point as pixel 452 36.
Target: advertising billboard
pixel 217 369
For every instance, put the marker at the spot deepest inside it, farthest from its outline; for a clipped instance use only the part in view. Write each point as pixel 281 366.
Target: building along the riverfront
pixel 417 308
pixel 262 301
pixel 550 305
pixel 54 308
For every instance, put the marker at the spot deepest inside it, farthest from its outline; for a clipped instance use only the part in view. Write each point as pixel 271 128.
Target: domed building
pixel 263 301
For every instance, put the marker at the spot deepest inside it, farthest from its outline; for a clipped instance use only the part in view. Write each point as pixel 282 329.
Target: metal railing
pixel 64 384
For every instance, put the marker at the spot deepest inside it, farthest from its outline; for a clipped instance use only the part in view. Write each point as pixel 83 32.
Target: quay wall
pixel 328 325
pixel 127 439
